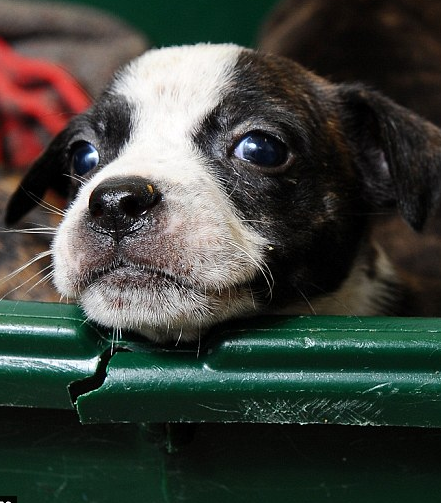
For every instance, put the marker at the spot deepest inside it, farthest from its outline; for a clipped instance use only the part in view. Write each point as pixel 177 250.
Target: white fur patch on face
pixel 193 264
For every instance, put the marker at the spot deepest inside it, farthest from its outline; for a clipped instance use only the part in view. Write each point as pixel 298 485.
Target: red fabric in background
pixel 37 100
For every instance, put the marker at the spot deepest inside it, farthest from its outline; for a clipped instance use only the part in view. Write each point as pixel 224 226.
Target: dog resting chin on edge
pixel 211 182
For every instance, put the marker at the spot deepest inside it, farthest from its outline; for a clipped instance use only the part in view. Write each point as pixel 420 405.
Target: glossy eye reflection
pixel 84 157
pixel 261 149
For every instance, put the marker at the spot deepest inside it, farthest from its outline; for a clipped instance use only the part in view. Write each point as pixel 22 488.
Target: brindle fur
pixel 394 46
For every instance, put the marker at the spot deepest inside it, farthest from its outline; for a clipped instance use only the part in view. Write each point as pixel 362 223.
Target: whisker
pixel 53 210
pixel 20 269
pixel 21 285
pixel 43 280
pixel 81 180
pixel 336 300
pixel 252 297
pixel 116 337
pixel 113 340
pixel 37 230
pixel 252 221
pixel 264 269
pixel 234 188
pixel 199 343
pixel 305 298
pixel 178 340
pixel 64 298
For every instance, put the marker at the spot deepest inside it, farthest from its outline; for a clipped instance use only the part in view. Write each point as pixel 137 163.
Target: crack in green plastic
pixel 44 348
pixel 340 370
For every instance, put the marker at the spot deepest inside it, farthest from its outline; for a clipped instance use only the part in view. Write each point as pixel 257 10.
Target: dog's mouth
pixel 168 284
pixel 157 303
pixel 126 276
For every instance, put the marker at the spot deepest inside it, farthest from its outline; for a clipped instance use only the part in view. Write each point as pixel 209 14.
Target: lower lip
pixel 128 277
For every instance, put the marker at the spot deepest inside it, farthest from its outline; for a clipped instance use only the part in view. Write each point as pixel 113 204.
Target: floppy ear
pixel 398 153
pixel 49 171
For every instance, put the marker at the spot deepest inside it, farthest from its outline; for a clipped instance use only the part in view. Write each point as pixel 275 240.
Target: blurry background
pixel 170 22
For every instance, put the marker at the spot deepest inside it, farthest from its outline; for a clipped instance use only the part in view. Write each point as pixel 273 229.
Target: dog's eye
pixel 84 157
pixel 261 149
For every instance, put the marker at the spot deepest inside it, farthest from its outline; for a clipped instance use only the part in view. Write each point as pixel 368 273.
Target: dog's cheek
pixel 314 238
pixel 70 248
pixel 63 265
pixel 67 262
pixel 200 237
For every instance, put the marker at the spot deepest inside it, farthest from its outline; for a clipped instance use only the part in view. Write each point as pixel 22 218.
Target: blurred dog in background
pixel 395 47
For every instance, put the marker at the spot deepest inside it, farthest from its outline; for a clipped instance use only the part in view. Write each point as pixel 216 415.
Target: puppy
pixel 211 182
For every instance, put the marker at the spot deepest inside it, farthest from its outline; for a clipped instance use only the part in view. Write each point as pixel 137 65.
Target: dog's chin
pixel 159 306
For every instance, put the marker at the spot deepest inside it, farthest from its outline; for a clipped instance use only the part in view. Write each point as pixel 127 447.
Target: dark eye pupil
pixel 261 149
pixel 84 157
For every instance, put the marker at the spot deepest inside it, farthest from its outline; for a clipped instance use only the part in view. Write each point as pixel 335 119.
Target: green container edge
pixel 335 370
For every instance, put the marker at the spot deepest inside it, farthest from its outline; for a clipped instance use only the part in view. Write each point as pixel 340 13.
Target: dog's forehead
pixel 166 106
pixel 187 81
pixel 164 97
pixel 171 91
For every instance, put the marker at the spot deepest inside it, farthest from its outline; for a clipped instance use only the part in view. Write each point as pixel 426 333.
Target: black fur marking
pixel 312 214
pixel 398 153
pixel 107 125
pixel 352 151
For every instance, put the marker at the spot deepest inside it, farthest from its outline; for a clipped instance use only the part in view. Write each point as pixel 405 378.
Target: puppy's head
pixel 211 182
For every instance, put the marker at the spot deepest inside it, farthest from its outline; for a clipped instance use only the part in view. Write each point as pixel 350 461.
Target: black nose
pixel 119 205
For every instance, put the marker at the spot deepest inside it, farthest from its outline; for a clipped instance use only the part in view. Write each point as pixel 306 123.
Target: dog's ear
pixel 50 171
pixel 398 153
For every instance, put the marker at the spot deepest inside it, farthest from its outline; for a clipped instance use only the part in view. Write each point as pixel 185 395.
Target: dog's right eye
pixel 83 157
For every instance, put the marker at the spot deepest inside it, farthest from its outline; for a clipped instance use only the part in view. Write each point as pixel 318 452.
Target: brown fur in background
pixel 394 46
pixel 16 249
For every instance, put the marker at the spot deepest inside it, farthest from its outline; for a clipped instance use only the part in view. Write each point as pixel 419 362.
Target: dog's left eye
pixel 261 149
pixel 84 157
